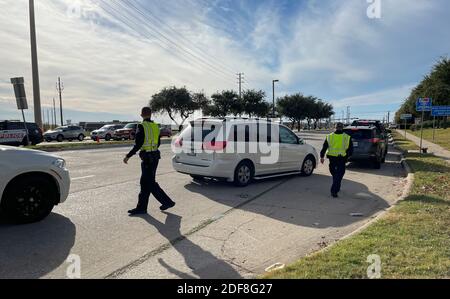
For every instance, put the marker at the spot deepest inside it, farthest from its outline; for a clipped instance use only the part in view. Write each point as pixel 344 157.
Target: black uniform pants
pixel 149 185
pixel 337 170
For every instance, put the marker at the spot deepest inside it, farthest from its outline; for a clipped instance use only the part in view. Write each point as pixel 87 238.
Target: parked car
pixel 368 144
pixel 165 131
pixel 105 132
pixel 31 184
pixel 222 161
pixel 65 133
pixel 393 126
pixel 126 133
pixel 14 133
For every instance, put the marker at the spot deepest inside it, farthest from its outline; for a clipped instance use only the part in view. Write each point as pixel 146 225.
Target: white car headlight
pixel 60 163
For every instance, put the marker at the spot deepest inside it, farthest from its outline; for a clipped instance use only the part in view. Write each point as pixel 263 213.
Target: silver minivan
pixel 241 150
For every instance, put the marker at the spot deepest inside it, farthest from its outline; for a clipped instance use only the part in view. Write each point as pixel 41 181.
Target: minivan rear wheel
pixel 244 173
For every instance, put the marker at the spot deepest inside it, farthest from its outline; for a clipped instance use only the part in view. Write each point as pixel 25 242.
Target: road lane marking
pixel 83 178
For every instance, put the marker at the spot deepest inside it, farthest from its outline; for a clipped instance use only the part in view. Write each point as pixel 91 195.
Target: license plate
pixel 355 144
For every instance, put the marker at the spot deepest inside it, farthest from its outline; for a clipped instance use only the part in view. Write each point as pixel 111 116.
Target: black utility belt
pixel 150 156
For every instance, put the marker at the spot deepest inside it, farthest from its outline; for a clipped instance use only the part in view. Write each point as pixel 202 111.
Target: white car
pixel 106 132
pixel 225 149
pixel 31 184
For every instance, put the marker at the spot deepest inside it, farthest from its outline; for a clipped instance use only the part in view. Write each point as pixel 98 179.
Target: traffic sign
pixel 440 111
pixel 19 91
pixel 406 116
pixel 424 104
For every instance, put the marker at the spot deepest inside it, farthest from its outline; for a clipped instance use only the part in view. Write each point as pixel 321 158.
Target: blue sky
pixel 113 55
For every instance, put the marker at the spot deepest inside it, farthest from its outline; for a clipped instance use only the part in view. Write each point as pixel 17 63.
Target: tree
pixel 294 107
pixel 298 107
pixel 321 111
pixel 223 104
pixel 254 103
pixel 435 85
pixel 177 102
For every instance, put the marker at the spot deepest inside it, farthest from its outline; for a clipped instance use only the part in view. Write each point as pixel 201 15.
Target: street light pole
pixel 35 70
pixel 273 90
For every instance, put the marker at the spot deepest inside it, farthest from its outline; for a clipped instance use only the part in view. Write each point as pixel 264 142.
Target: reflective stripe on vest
pixel 338 144
pixel 151 140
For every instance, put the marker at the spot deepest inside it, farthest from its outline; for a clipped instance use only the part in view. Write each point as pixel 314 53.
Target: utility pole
pixel 348 114
pixel 389 117
pixel 60 89
pixel 273 103
pixel 54 113
pixel 53 118
pixel 240 80
pixel 35 68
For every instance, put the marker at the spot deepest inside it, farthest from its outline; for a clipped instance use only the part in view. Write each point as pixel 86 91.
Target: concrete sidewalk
pixel 437 150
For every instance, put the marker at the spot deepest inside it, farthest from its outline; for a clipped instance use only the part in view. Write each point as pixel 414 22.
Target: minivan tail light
pixel 374 140
pixel 215 146
pixel 179 142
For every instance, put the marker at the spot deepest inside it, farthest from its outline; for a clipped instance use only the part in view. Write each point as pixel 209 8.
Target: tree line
pixel 435 85
pixel 180 104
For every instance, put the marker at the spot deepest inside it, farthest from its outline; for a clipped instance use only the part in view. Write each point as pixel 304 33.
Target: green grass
pixel 405 144
pixel 442 136
pixel 412 239
pixel 57 146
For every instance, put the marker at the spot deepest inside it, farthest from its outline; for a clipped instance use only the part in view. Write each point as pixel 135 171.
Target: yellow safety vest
pixel 151 140
pixel 338 144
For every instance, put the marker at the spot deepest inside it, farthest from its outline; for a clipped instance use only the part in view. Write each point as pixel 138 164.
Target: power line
pixel 164 39
pixel 187 41
pixel 114 11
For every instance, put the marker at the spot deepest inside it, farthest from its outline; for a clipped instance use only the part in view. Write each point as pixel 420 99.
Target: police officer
pixel 338 147
pixel 148 141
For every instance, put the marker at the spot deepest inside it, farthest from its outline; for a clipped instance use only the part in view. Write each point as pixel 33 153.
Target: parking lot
pixel 215 231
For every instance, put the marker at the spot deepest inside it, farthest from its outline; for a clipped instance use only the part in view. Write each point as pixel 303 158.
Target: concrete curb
pixel 93 147
pixel 380 215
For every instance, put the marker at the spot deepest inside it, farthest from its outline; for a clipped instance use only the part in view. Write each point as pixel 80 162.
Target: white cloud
pixel 390 96
pixel 329 49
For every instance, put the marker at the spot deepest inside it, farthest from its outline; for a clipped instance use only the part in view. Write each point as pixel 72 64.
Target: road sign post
pixel 422 105
pixel 405 117
pixel 438 111
pixel 21 99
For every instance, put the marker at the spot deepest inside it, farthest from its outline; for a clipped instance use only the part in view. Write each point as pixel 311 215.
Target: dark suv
pixel 368 145
pixel 34 132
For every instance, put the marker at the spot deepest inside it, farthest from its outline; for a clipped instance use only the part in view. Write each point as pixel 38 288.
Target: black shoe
pixel 136 212
pixel 166 207
pixel 334 195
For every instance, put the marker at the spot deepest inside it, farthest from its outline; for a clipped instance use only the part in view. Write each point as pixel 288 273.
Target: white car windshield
pixel 105 128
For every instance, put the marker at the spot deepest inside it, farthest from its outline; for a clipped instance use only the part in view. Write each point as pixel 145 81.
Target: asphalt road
pixel 215 231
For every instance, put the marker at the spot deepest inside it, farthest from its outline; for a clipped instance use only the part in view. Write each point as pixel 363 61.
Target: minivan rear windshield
pixel 199 132
pixel 359 134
